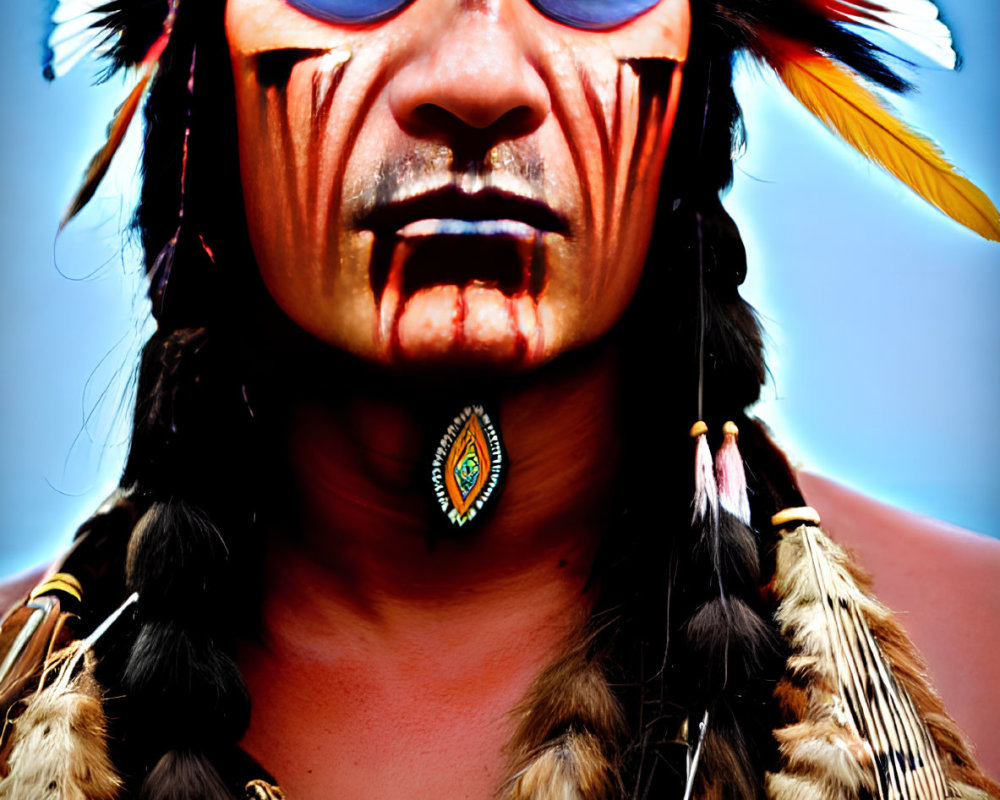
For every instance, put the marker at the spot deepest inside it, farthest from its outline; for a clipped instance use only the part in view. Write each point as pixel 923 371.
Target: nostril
pixel 430 118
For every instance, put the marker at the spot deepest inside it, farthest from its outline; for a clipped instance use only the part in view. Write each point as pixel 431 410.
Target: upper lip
pixel 450 202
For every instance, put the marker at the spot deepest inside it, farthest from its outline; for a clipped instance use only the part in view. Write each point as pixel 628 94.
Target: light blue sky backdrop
pixel 885 338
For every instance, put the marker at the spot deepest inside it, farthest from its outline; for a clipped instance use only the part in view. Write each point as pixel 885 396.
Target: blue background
pixel 884 334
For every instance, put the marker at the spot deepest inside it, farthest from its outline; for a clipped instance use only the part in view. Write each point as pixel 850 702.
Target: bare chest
pixel 385 724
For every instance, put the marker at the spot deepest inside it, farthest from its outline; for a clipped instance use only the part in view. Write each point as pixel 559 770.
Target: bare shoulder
pixel 14 588
pixel 944 583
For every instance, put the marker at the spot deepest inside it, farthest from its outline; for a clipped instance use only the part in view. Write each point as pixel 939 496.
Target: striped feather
pixel 860 726
pixel 835 95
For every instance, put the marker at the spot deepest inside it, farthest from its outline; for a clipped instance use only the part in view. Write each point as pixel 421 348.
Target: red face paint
pixel 458 183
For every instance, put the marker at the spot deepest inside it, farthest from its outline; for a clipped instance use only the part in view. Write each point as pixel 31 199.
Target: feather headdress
pixel 831 84
pixel 91 27
pixel 823 64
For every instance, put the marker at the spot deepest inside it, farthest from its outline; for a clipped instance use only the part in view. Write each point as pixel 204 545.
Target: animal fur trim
pixel 566 742
pixel 59 743
pixel 862 718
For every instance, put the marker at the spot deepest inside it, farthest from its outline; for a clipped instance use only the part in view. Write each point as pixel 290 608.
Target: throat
pixel 389 665
pixel 363 504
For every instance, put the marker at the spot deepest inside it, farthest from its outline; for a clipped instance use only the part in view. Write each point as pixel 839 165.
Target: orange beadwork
pixel 466 466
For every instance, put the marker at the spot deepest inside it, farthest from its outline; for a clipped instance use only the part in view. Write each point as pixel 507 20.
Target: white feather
pixel 76 32
pixel 71 9
pixel 915 23
pixel 706 493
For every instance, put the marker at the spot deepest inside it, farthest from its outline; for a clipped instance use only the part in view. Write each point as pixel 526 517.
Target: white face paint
pixel 467 181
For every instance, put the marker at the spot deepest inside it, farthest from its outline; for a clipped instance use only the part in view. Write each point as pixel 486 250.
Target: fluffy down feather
pixel 59 744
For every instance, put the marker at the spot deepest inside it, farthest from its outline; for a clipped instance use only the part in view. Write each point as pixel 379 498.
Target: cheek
pixel 288 156
pixel 293 151
pixel 652 89
pixel 618 122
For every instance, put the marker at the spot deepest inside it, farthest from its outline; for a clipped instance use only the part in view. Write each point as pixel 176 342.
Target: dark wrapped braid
pixel 682 626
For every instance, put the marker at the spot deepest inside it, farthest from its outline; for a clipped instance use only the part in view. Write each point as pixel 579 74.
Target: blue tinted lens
pixel 349 12
pixel 593 15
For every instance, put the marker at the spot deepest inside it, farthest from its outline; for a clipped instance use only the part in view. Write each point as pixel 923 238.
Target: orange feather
pixel 835 95
pixel 99 164
pixel 119 126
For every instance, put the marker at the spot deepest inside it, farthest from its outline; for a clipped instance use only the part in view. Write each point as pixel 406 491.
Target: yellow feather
pixel 836 97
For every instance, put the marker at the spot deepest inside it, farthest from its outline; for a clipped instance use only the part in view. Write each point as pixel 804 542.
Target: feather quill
pixel 835 95
pixel 29 636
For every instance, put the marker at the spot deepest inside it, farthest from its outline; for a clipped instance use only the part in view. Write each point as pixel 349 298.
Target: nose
pixel 470 76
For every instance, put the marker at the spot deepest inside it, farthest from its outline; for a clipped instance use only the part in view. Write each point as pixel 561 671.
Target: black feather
pixel 134 25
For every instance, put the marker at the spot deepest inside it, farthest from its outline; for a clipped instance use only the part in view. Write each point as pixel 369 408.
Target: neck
pixel 389 614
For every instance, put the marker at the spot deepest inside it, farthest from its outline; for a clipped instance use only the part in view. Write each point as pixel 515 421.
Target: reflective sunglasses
pixel 590 15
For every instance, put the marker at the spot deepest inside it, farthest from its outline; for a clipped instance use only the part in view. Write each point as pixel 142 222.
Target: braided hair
pixel 681 627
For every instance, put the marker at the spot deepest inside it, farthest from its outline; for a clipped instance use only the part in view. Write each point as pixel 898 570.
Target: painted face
pixel 454 181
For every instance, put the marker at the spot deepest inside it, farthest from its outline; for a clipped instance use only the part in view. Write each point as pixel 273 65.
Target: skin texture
pixel 485 111
pixel 387 668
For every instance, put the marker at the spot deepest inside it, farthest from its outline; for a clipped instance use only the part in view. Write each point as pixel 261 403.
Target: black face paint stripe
pixel 274 67
pixel 325 83
pixel 655 79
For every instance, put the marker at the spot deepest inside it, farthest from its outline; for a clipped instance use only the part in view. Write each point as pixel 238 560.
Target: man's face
pixel 457 181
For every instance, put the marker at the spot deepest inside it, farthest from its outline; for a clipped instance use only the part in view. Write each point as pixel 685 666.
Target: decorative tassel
pixel 859 709
pixel 706 495
pixel 119 126
pixel 58 747
pixel 705 504
pixel 731 477
pixel 835 95
pixel 565 745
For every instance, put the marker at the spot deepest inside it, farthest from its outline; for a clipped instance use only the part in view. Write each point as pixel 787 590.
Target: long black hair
pixel 182 533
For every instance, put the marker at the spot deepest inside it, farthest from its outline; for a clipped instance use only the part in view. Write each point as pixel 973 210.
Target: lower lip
pixel 476 323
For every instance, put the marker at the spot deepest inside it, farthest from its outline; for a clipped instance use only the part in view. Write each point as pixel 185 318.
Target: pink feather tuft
pixel 731 477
